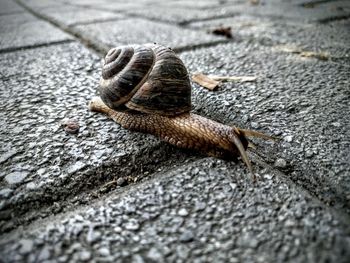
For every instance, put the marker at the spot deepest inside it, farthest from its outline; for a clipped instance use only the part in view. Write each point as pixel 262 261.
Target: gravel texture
pixel 48 163
pixel 10 7
pixel 115 33
pixel 202 212
pixel 24 30
pixel 76 187
pixel 301 100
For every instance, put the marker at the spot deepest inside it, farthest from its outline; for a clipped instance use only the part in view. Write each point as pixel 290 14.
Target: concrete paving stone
pixel 40 4
pixel 332 38
pixel 269 221
pixel 68 15
pixel 113 4
pixel 139 31
pixel 182 15
pixel 122 6
pixel 320 11
pixel 179 14
pixel 198 4
pixel 39 88
pixel 9 7
pixel 23 30
pixel 304 101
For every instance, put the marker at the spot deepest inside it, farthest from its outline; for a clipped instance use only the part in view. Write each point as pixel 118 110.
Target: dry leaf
pixel 234 78
pixel 318 55
pixel 223 31
pixel 307 54
pixel 205 81
pixel 211 81
pixel 254 2
pixel 290 49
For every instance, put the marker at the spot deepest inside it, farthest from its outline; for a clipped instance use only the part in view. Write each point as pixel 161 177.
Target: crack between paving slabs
pixel 258 160
pixel 86 184
pixel 100 49
pixel 27 47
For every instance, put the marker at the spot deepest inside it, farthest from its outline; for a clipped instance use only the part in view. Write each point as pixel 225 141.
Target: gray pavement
pixel 107 194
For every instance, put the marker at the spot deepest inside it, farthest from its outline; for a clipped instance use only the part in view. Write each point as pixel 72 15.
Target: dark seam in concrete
pixel 12 13
pixel 66 29
pixel 316 3
pixel 201 45
pixel 140 16
pixel 254 157
pixel 96 21
pixel 88 186
pixel 96 45
pixel 334 18
pixel 53 43
pixel 100 48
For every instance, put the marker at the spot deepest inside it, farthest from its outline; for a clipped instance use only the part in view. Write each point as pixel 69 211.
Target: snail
pixel 146 88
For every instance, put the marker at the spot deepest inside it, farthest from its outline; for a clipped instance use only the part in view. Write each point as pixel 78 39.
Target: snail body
pixel 147 89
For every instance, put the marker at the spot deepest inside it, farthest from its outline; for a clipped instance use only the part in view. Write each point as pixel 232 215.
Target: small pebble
pixel 186 236
pixel 183 212
pixel 6 192
pixel 85 255
pixel 93 236
pixel 155 255
pixel 118 229
pixel 288 138
pixel 44 254
pixel 70 126
pixel 309 154
pixel 281 163
pixel 15 177
pixel 132 225
pixel 26 246
pixel 31 186
pixel 121 181
pixel 104 251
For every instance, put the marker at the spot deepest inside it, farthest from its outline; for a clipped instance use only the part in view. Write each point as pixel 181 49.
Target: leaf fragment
pixel 205 81
pixel 211 82
pixel 234 78
pixel 318 55
pixel 303 53
pixel 223 31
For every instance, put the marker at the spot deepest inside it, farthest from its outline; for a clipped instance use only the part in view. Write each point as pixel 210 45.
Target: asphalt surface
pixel 105 194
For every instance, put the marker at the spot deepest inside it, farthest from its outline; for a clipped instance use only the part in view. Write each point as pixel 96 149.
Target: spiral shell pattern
pixel 148 78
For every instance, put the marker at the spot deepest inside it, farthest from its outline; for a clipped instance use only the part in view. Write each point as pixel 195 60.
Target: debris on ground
pixel 211 82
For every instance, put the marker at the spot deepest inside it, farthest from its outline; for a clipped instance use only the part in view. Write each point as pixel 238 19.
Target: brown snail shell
pixel 149 79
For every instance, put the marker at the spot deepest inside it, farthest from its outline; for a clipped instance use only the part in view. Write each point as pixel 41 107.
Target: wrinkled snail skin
pixel 147 89
pixel 188 130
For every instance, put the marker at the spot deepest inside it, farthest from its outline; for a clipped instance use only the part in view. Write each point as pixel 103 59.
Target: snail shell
pixel 149 79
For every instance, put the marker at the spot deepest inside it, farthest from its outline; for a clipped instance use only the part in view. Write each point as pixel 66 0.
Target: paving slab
pixel 182 15
pixel 113 6
pixel 175 12
pixel 300 10
pixel 139 31
pixel 40 162
pixel 68 15
pixel 302 100
pixel 9 7
pixel 40 4
pixel 25 30
pixel 107 194
pixel 207 211
pixel 198 4
pixel 332 38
